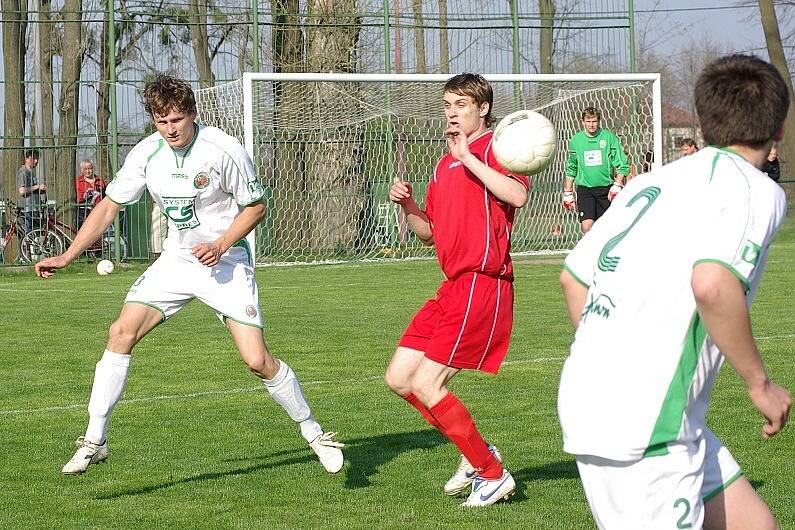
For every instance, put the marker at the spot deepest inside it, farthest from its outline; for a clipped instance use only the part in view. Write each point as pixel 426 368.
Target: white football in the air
pixel 525 142
pixel 104 267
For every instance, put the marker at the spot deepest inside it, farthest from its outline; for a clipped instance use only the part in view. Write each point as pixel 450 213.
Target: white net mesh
pixel 328 151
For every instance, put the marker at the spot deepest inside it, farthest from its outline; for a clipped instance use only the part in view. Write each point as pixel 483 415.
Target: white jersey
pixel 200 188
pixel 641 368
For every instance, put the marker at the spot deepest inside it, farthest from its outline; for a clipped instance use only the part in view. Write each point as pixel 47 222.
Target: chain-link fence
pixel 74 69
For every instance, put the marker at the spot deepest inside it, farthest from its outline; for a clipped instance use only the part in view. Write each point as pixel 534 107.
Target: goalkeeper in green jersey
pixel 594 153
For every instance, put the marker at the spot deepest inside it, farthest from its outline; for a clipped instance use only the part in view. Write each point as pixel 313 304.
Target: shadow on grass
pixel 364 457
pixel 562 469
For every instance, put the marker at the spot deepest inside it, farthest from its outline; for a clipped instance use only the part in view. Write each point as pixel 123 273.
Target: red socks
pixel 455 422
pixel 417 404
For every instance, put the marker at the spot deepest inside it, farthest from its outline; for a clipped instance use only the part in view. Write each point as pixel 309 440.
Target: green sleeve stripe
pixel 254 201
pixel 743 279
pixel 579 280
pixel 723 486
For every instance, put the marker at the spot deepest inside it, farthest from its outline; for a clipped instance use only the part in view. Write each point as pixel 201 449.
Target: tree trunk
pixel 444 41
pixel 786 148
pixel 47 163
pixel 547 10
pixel 290 216
pixel 197 25
pixel 421 67
pixel 333 159
pixel 103 167
pixel 14 26
pixel 61 186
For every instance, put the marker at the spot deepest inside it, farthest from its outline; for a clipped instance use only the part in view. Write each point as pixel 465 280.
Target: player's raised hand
pixel 774 402
pixel 208 254
pixel 401 192
pixel 457 142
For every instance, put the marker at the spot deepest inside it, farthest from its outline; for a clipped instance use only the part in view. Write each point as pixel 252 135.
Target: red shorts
pixel 467 325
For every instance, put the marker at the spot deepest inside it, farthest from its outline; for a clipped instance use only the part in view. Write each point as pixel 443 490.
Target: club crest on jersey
pixel 602 144
pixel 182 211
pixel 251 311
pixel 201 181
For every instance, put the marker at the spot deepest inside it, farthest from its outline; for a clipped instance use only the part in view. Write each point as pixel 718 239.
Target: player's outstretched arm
pixel 721 304
pixel 402 193
pixel 210 253
pixel 96 223
pixel 575 294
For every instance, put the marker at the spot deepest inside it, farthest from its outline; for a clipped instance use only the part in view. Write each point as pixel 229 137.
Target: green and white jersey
pixel 592 158
pixel 641 368
pixel 200 188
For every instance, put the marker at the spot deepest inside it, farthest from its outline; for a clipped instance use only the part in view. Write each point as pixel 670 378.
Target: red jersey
pixel 471 227
pixel 82 186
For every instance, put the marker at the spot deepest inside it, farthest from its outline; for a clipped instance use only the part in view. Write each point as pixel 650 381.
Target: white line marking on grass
pixel 53 291
pixel 243 390
pixel 776 337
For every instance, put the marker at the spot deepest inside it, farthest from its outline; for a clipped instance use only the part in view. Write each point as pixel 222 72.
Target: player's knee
pixel 398 382
pixel 121 335
pixel 263 366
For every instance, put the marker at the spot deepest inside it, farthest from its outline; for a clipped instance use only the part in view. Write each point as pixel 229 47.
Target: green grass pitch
pixel 198 443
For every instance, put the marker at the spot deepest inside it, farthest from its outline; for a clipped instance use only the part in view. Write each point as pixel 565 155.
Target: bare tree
pixel 333 161
pixel 14 26
pixel 444 41
pixel 71 50
pixel 288 180
pixel 421 66
pixel 775 51
pixel 547 10
pixel 197 26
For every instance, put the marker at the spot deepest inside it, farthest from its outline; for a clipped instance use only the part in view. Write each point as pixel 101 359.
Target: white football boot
pixel 465 474
pixel 87 453
pixel 486 492
pixel 328 451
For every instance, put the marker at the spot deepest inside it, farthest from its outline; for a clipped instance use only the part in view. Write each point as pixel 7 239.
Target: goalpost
pixel 327 147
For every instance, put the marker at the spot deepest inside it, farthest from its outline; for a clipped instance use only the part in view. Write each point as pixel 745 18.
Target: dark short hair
pixel 167 93
pixel 687 142
pixel 740 100
pixel 34 153
pixel 476 87
pixel 591 111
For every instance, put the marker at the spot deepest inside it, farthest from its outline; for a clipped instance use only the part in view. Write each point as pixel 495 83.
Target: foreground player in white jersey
pixel 659 292
pixel 204 182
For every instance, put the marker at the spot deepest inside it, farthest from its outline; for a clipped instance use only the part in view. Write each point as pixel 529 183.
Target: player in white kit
pixel 204 182
pixel 658 292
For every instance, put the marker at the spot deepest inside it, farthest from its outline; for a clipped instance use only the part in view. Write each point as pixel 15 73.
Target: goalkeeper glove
pixel 614 189
pixel 568 200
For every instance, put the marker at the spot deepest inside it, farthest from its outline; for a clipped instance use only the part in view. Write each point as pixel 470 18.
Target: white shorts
pixel 658 492
pixel 177 278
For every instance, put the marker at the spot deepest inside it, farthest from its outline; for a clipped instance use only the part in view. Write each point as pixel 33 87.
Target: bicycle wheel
pixel 109 248
pixel 38 244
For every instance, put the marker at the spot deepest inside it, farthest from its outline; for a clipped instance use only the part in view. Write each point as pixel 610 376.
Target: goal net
pixel 327 148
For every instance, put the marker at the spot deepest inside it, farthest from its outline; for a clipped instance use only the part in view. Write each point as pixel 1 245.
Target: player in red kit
pixel 469 211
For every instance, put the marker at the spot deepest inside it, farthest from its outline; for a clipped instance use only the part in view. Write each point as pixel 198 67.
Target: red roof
pixel 676 117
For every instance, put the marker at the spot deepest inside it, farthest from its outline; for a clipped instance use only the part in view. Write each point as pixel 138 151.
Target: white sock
pixel 285 389
pixel 109 379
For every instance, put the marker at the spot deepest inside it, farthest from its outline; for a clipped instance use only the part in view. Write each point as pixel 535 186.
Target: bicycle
pixel 54 236
pixel 15 227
